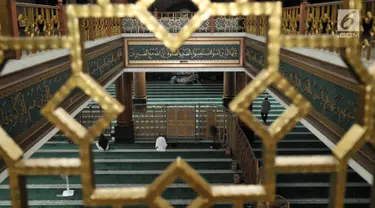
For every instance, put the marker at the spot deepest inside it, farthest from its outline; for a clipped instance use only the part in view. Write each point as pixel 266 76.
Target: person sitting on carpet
pixel 103 143
pixel 161 144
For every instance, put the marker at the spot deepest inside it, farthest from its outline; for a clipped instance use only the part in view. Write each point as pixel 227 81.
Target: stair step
pixel 315 202
pixel 297 151
pixel 152 102
pixel 320 190
pixel 146 144
pixel 315 177
pixel 178 203
pixel 285 143
pixel 135 153
pixel 79 186
pixel 273 107
pixel 296 136
pixel 128 177
pixel 181 140
pixel 50 193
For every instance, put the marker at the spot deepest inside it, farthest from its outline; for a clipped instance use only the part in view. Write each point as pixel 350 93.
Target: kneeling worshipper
pixel 103 143
pixel 161 144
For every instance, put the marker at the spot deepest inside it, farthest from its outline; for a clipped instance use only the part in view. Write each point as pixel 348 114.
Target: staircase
pixel 126 166
pixel 139 164
pixel 307 190
pixel 161 92
pixel 136 164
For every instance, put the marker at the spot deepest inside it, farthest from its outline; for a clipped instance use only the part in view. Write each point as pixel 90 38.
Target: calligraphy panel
pixel 20 104
pixel 103 63
pixel 20 109
pixel 332 97
pixel 202 52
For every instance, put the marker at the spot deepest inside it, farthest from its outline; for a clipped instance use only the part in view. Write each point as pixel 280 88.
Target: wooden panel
pixel 181 122
pixel 171 117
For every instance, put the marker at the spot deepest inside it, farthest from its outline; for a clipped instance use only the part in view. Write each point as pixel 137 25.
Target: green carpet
pixel 133 154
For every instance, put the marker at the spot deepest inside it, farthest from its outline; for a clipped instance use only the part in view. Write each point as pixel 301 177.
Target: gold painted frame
pixel 192 63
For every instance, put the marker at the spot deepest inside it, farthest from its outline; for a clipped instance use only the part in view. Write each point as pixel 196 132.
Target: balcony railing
pixel 175 21
pixel 45 20
pixel 314 19
pixel 38 20
pixel 94 28
pixel 307 18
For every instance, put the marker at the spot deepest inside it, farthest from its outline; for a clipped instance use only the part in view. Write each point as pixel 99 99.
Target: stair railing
pixel 241 149
pixel 88 116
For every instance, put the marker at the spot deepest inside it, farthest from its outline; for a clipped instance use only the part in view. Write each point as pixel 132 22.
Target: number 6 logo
pixel 348 20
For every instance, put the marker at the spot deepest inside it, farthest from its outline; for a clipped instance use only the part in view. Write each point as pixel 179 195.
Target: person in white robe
pixel 161 144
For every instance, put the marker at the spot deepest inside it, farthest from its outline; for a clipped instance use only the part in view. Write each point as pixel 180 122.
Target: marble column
pixel 229 87
pixel 124 129
pixel 139 80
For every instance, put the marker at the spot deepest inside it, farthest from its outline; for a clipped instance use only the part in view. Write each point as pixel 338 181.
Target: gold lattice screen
pixel 207 194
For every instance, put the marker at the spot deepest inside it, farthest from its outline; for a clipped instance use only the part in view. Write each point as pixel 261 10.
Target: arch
pixel 184 5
